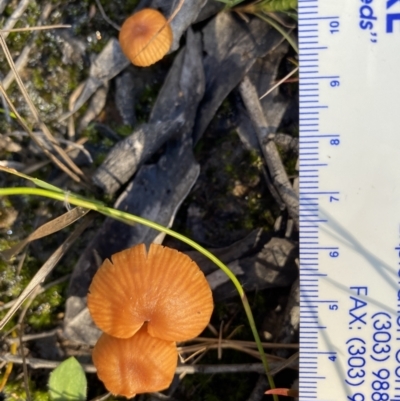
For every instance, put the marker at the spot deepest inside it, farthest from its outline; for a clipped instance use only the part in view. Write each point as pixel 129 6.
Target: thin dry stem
pixel 281 81
pixel 23 57
pixel 173 15
pixel 221 327
pixel 24 364
pixel 105 16
pixel 45 270
pixel 36 363
pixel 54 159
pixel 16 15
pixel 285 364
pixel 35 113
pixel 36 28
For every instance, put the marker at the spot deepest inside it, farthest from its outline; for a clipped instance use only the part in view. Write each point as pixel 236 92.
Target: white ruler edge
pixel 349 199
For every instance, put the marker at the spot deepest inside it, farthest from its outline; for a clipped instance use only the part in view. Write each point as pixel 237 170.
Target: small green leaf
pixel 68 382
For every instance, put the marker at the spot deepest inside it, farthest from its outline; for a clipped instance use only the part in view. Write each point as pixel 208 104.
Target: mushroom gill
pixel 145 37
pixel 163 287
pixel 139 364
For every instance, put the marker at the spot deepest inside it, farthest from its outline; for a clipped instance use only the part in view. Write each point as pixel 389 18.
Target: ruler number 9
pixel 356 397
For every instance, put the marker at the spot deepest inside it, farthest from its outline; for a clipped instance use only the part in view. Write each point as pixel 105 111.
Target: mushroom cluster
pixel 145 37
pixel 145 302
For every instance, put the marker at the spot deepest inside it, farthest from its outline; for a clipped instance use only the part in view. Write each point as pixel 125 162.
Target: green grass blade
pixel 285 34
pixel 36 181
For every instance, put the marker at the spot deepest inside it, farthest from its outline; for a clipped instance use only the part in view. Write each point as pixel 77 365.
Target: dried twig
pixel 36 363
pixel 247 347
pixel 271 154
pixel 31 337
pixel 258 391
pixel 3 4
pixel 250 344
pixel 286 364
pixel 71 146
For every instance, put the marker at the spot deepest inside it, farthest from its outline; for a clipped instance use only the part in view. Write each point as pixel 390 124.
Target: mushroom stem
pixel 73 199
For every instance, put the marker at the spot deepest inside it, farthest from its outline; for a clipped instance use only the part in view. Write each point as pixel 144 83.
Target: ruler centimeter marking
pixel 349 200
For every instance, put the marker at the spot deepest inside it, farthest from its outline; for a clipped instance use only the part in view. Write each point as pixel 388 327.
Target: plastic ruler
pixel 349 199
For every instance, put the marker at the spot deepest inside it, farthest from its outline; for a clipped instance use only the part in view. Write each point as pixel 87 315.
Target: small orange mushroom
pixel 139 364
pixel 163 287
pixel 145 37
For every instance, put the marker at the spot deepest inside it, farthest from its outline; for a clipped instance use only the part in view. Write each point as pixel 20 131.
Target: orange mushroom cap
pixel 139 364
pixel 145 37
pixel 163 287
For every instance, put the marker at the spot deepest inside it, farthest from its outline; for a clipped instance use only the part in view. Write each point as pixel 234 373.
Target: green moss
pixel 42 313
pixel 37 80
pixel 90 132
pixel 289 160
pixel 146 101
pixel 124 130
pixel 18 39
pixel 15 391
pixel 229 168
pixel 96 46
pixel 32 13
pixel 130 5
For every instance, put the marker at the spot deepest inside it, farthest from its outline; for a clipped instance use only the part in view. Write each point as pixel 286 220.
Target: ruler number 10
pixel 334 25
